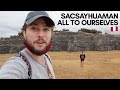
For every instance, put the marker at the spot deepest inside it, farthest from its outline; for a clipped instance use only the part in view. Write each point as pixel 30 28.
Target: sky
pixel 12 21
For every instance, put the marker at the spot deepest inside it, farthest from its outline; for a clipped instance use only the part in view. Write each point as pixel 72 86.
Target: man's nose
pixel 40 33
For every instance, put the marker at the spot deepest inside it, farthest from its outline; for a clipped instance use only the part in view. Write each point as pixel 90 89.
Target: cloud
pixel 12 21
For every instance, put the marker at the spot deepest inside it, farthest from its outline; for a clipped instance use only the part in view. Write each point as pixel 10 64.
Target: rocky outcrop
pixel 71 41
pixel 11 45
pixel 67 41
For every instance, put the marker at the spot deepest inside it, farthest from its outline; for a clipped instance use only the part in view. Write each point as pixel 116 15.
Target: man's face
pixel 38 35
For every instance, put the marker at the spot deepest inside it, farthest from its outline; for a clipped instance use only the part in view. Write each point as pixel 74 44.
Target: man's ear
pixel 24 35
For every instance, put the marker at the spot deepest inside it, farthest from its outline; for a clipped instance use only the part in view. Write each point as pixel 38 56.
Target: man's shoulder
pixel 14 67
pixel 15 60
pixel 15 63
pixel 48 56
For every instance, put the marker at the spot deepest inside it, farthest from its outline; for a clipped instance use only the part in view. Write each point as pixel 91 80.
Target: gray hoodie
pixel 16 68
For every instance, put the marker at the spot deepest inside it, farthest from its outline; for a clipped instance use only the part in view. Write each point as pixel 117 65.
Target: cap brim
pixel 29 21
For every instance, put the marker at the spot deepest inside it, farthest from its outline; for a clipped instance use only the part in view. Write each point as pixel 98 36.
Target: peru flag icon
pixel 115 28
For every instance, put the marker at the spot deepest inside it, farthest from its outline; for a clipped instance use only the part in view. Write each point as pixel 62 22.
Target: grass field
pixel 97 65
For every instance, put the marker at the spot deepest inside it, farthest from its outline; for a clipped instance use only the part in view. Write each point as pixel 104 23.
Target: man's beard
pixel 37 52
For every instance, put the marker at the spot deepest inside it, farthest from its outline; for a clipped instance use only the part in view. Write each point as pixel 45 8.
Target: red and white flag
pixel 115 28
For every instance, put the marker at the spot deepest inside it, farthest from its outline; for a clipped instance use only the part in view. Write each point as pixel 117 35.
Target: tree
pixel 20 33
pixel 65 30
pixel 89 30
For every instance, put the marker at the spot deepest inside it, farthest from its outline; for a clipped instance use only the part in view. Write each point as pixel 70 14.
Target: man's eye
pixel 34 29
pixel 46 29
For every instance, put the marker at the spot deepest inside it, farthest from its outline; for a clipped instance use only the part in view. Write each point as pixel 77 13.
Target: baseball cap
pixel 32 16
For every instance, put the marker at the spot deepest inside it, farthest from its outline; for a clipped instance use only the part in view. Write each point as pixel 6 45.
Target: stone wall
pixel 71 41
pixel 66 41
pixel 11 45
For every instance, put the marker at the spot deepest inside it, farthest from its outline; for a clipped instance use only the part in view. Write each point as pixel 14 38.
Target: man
pixel 32 62
pixel 82 58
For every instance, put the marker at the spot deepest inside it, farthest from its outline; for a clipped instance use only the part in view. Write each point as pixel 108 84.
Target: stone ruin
pixel 66 41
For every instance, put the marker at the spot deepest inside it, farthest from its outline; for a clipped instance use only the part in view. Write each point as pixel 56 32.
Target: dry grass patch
pixel 98 64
